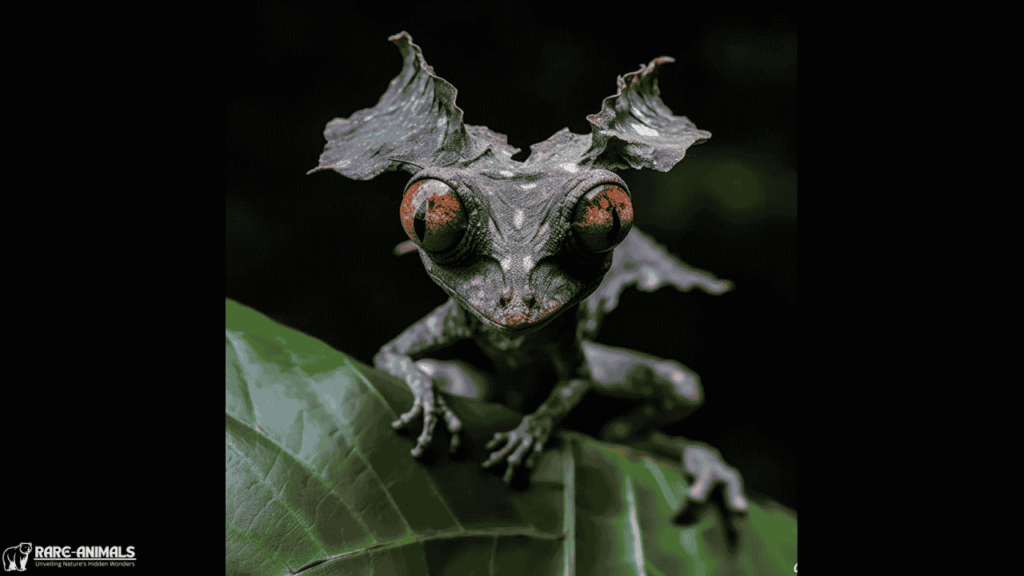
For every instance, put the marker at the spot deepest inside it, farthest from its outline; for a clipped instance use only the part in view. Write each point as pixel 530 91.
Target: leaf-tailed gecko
pixel 532 255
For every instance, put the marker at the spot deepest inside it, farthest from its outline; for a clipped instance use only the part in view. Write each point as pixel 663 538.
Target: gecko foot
pixel 527 440
pixel 708 469
pixel 432 405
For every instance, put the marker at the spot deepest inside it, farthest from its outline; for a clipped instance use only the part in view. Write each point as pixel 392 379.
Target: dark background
pixel 314 252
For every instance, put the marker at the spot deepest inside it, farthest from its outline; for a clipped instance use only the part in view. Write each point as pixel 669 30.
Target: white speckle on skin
pixel 442 131
pixel 477 300
pixel 527 263
pixel 649 278
pixel 505 263
pixel 518 219
pixel 569 167
pixel 644 130
pixel 506 173
pixel 527 186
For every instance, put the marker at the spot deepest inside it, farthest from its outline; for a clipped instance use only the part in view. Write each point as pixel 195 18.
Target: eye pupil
pixel 616 225
pixel 420 221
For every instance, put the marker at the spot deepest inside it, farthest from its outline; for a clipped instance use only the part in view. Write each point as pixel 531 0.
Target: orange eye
pixel 603 217
pixel 432 215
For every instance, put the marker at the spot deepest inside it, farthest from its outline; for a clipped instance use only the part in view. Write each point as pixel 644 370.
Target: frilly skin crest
pixel 637 127
pixel 416 123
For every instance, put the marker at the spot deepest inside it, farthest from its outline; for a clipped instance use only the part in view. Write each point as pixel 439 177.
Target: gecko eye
pixel 603 217
pixel 432 215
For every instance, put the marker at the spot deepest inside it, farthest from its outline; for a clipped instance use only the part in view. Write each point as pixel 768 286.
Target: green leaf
pixel 317 482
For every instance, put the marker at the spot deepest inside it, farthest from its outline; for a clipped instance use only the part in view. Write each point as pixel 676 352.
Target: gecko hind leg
pixel 665 391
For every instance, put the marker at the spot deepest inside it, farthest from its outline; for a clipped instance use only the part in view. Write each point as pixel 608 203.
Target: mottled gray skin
pixel 532 254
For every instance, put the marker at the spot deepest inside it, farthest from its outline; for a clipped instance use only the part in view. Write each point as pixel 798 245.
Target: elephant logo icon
pixel 16 557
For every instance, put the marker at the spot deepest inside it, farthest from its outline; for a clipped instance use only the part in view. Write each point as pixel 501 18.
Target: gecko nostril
pixel 530 298
pixel 505 297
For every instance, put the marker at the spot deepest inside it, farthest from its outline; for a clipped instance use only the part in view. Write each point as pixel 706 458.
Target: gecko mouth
pixel 515 320
pixel 514 324
pixel 523 315
pixel 516 302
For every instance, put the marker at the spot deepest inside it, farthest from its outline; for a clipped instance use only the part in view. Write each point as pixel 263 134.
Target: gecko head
pixel 515 243
pixel 516 248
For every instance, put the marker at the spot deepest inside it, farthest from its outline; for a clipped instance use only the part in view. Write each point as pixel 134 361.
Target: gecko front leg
pixel 528 439
pixel 438 329
pixel 426 401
